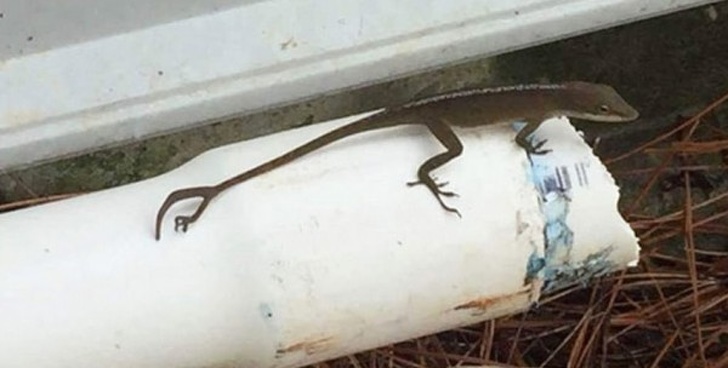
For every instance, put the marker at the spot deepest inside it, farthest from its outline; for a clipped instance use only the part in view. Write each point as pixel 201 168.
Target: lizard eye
pixel 604 109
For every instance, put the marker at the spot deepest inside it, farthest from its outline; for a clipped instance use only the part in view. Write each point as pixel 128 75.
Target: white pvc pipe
pixel 330 255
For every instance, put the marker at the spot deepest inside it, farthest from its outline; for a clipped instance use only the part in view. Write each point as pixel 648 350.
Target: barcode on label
pixel 564 178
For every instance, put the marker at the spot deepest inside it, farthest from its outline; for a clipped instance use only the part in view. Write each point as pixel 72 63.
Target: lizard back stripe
pixel 482 91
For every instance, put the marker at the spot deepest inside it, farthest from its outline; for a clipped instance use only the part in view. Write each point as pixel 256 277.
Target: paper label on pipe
pixel 575 190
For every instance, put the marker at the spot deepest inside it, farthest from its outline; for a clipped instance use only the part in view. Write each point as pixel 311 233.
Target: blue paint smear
pixel 535 264
pixel 554 200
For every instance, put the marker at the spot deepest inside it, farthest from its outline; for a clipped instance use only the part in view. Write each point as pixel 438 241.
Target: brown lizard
pixel 531 104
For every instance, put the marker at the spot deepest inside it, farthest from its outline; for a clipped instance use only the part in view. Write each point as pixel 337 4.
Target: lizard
pixel 531 104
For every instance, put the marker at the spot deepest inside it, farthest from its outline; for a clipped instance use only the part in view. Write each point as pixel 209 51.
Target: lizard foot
pixel 535 149
pixel 182 222
pixel 436 189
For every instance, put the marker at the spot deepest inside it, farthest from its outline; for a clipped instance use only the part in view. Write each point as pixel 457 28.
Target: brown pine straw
pixel 4 207
pixel 670 311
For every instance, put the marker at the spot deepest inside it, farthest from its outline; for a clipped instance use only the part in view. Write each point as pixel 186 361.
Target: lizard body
pixel 531 104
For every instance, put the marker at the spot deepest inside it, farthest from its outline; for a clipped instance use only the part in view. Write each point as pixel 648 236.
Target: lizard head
pixel 597 102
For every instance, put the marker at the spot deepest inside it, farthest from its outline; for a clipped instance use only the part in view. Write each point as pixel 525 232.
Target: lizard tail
pixel 377 121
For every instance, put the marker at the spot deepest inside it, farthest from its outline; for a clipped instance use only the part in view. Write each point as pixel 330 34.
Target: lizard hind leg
pixel 206 193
